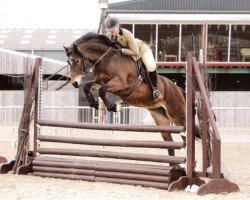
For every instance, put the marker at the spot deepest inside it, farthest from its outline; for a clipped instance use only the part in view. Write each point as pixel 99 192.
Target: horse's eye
pixel 77 61
pixel 71 61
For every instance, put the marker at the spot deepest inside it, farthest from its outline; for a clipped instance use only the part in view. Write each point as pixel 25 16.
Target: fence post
pixel 190 120
pixel 38 64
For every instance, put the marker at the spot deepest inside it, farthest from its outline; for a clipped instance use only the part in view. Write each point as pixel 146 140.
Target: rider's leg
pixel 156 93
pixel 149 62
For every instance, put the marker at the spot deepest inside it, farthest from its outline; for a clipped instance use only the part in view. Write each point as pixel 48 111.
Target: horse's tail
pixel 197 132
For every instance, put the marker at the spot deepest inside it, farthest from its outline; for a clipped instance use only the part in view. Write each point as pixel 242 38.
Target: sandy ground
pixel 235 158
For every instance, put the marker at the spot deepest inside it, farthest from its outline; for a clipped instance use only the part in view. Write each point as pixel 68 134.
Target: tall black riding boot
pixel 156 93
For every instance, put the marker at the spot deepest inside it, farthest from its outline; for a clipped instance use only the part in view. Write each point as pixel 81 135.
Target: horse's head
pixel 78 64
pixel 93 46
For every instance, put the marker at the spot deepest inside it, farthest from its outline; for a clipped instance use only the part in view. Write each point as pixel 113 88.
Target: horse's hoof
pixel 112 107
pixel 94 105
pixel 119 107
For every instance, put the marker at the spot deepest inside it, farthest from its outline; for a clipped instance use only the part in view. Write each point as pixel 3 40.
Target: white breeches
pixel 149 61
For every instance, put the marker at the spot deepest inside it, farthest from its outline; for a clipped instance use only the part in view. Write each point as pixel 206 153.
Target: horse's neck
pixel 94 52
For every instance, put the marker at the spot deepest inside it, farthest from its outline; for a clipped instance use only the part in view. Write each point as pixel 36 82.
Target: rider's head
pixel 112 25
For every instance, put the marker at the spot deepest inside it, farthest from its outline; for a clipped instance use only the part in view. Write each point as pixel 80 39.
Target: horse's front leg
pixel 90 98
pixel 111 86
pixel 111 106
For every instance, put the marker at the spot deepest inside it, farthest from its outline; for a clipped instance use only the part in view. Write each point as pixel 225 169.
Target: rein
pixel 90 69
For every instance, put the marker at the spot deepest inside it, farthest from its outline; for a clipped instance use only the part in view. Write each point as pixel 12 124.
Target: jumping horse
pixel 117 73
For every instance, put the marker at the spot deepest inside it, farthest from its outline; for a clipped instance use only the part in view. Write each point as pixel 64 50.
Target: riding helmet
pixel 111 23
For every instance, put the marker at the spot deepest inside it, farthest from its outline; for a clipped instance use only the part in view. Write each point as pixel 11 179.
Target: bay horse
pixel 116 73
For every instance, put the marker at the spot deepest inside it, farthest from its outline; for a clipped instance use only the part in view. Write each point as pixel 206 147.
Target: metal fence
pixel 228 118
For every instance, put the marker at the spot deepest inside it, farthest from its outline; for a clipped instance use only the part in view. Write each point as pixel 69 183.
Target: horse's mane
pixel 102 39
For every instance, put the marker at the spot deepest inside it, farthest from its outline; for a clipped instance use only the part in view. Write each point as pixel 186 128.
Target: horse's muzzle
pixel 75 84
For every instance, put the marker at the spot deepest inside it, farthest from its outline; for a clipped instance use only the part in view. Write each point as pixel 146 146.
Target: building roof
pixel 181 6
pixel 39 39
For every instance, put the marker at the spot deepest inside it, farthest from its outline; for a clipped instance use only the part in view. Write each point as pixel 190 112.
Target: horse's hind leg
pixel 161 118
pixel 177 116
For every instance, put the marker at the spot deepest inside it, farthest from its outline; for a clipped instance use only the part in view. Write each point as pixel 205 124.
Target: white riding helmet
pixel 111 23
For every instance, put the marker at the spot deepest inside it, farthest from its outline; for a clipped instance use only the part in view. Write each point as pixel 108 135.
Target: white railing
pixel 13 62
pixel 227 118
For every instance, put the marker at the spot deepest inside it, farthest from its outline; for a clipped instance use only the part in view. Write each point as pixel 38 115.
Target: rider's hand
pixel 118 48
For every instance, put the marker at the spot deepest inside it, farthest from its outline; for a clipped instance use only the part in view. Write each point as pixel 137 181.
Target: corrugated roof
pixel 181 6
pixel 39 39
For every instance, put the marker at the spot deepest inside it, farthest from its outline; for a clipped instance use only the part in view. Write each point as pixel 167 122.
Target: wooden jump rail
pixel 112 127
pixel 107 142
pixel 117 155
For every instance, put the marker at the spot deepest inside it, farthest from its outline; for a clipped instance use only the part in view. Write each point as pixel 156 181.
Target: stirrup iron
pixel 157 95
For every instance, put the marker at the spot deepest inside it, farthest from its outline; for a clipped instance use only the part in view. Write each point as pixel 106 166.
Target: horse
pixel 117 73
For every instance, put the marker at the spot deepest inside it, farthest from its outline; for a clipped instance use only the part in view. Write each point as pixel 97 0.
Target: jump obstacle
pixel 45 162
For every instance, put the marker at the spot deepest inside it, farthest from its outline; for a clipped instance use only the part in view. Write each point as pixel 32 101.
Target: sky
pixel 50 13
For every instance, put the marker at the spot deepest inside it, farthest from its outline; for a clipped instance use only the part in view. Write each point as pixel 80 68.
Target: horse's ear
pixel 66 49
pixel 76 50
pixel 75 47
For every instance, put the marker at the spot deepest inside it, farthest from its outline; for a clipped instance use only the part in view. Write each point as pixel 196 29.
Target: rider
pixel 133 47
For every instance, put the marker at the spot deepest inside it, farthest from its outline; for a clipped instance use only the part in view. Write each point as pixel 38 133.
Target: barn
pixel 216 31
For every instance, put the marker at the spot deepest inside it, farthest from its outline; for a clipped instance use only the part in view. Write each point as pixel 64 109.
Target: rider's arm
pixel 133 47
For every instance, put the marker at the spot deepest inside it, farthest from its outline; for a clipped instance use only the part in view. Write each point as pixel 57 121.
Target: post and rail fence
pixel 217 183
